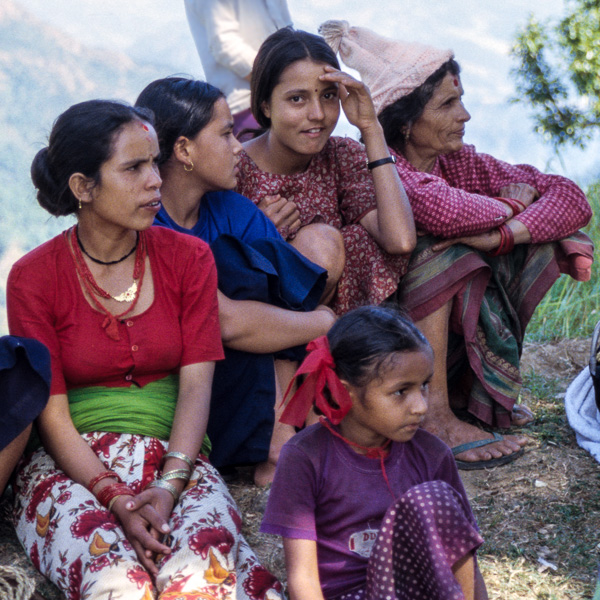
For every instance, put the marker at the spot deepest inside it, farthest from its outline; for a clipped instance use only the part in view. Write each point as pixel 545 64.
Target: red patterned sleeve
pixel 445 210
pixel 560 211
pixel 356 189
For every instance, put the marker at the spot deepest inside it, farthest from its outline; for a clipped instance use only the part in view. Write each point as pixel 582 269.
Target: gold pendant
pixel 127 295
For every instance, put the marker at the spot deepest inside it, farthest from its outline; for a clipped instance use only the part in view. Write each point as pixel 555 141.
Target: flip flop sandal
pixel 484 464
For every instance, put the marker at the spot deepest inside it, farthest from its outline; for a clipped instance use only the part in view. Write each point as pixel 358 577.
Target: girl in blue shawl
pixel 269 294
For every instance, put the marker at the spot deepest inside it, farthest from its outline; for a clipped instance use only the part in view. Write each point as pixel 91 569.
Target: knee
pixel 323 245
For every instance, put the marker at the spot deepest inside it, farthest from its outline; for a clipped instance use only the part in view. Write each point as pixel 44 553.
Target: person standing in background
pixel 228 34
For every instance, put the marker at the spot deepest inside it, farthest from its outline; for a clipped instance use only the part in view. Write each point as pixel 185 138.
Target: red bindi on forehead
pixel 455 81
pixel 145 128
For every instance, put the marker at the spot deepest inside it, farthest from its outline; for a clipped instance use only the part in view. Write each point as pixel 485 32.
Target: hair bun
pixel 333 31
pixel 44 182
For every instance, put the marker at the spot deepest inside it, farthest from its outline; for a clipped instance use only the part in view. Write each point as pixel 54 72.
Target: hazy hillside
pixel 42 72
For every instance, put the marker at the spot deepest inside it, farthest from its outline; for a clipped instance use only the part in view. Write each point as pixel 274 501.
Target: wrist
pixel 168 486
pixel 102 476
pixel 507 241
pixel 177 460
pixel 326 319
pixel 514 204
pixel 109 493
pixel 373 132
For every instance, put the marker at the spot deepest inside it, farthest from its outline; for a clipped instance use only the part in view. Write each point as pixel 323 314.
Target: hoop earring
pixel 191 167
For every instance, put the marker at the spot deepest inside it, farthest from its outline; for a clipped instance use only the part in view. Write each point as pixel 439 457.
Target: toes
pixel 521 415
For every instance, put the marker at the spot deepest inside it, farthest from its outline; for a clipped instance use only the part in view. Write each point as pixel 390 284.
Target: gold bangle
pixel 112 501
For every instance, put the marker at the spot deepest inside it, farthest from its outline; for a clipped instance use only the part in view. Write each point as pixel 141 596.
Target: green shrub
pixel 571 309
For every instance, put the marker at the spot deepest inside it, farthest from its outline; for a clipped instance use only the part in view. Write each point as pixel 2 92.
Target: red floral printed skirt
pixel 81 547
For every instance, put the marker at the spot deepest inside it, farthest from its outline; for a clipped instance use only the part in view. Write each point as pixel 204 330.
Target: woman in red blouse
pixel 121 499
pixel 498 236
pixel 313 185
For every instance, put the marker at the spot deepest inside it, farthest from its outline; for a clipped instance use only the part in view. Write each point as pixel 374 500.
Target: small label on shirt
pixel 362 542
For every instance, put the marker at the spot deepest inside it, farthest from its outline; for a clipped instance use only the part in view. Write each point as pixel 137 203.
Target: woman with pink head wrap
pixel 497 236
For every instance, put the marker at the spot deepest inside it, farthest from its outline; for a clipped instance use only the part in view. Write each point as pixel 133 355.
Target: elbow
pixel 587 215
pixel 228 334
pixel 230 325
pixel 232 335
pixel 400 245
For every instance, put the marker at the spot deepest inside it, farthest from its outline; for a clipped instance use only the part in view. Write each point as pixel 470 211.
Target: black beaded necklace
pixel 110 262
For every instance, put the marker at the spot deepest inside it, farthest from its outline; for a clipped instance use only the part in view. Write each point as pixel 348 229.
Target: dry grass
pixel 544 506
pixel 543 509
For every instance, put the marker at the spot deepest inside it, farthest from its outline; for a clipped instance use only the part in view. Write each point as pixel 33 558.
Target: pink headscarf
pixel 390 68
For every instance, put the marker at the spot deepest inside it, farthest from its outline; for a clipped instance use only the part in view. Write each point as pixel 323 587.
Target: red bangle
pixel 520 203
pixel 100 477
pixel 507 242
pixel 106 494
pixel 515 205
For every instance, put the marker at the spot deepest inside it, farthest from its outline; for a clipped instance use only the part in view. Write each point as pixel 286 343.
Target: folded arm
pixel 262 328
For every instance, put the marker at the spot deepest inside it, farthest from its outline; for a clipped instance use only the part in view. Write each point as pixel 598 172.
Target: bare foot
pixel 521 415
pixel 264 472
pixel 455 432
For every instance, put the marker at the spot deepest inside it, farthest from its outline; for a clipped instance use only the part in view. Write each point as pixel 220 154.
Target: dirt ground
pixel 539 515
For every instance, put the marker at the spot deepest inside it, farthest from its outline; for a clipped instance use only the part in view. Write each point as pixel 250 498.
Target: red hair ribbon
pixel 318 366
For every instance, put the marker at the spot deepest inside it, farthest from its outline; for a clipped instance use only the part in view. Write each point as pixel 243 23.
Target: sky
pixel 479 31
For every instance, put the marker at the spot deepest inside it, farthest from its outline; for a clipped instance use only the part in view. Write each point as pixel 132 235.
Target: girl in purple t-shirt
pixel 370 506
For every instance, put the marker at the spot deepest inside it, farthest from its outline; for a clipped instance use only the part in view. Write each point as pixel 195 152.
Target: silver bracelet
pixel 176 474
pixel 180 456
pixel 165 485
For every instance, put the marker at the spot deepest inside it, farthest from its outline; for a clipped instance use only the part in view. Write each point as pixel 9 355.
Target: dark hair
pixel 81 140
pixel 362 341
pixel 277 53
pixel 181 106
pixel 398 117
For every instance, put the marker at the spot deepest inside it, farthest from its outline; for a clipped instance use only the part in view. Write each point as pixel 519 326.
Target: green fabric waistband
pixel 147 411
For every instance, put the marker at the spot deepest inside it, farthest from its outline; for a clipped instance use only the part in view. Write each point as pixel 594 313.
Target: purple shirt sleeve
pixel 290 509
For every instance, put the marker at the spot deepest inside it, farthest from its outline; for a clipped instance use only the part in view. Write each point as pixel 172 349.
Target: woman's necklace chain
pixel 129 295
pixel 110 262
pixel 90 285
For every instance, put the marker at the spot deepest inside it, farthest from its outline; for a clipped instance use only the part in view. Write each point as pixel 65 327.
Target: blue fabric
pixel 253 263
pixel 24 384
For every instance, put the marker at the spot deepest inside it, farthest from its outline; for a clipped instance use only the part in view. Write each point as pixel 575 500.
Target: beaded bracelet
pixel 110 492
pixel 165 485
pixel 176 474
pixel 507 242
pixel 180 456
pixel 100 477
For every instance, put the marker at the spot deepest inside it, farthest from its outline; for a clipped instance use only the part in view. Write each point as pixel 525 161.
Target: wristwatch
pixel 381 161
